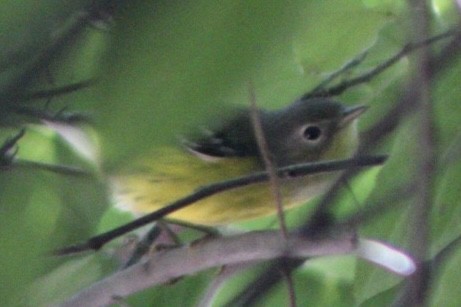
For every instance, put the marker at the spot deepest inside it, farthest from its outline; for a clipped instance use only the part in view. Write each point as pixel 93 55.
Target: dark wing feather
pixel 232 138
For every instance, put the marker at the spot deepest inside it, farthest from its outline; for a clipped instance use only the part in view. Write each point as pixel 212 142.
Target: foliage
pixel 159 67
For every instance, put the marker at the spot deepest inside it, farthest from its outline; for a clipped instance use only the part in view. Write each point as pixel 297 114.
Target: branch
pixel 63 37
pixel 269 163
pixel 57 91
pixel 60 169
pixel 164 266
pixel 288 172
pixel 8 149
pixel 406 104
pixel 336 90
pixel 62 115
pixel 318 223
pixel 320 90
pixel 417 286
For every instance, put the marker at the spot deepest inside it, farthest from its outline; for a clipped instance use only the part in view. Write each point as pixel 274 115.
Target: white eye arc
pixel 312 133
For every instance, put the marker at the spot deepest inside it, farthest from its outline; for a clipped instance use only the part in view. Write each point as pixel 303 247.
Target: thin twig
pixel 269 163
pixel 292 171
pixel 62 38
pixel 67 170
pixel 288 277
pixel 59 116
pixel 368 76
pixel 58 91
pixel 8 161
pixel 143 246
pixel 5 156
pixel 319 90
pixel 406 104
pixel 65 37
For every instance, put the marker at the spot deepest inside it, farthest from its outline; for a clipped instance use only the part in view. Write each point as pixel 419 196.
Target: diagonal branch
pixel 368 76
pixel 57 91
pixel 292 171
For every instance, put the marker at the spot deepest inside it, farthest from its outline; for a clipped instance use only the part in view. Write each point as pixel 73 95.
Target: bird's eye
pixel 312 133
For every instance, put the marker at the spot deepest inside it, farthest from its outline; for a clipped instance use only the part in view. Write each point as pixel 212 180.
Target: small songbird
pixel 309 130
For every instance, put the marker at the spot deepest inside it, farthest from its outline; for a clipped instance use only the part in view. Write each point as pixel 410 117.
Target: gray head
pixel 305 130
pixel 302 132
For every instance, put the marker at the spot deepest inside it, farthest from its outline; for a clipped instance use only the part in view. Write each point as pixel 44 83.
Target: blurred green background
pixel 158 68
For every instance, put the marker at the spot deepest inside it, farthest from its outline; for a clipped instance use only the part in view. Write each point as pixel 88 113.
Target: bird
pixel 308 130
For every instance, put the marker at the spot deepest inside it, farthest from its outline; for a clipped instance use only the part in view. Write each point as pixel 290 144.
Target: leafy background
pixel 161 66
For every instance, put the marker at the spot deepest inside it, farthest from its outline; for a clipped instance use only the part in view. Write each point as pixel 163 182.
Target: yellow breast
pixel 169 174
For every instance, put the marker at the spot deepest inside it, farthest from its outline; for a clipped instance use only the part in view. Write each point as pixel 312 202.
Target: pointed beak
pixel 351 113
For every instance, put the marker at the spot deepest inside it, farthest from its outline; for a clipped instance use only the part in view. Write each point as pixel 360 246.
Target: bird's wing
pixel 232 138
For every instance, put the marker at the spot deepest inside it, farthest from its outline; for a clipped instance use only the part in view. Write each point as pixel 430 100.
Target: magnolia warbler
pixel 308 130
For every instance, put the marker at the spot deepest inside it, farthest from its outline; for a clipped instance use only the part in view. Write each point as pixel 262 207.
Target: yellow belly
pixel 170 174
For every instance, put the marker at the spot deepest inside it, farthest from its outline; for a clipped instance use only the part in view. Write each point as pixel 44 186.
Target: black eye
pixel 312 133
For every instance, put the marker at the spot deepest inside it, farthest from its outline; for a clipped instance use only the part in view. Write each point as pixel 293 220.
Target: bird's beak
pixel 351 113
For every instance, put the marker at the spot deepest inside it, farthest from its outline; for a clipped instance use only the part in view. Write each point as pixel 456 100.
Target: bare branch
pixel 162 267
